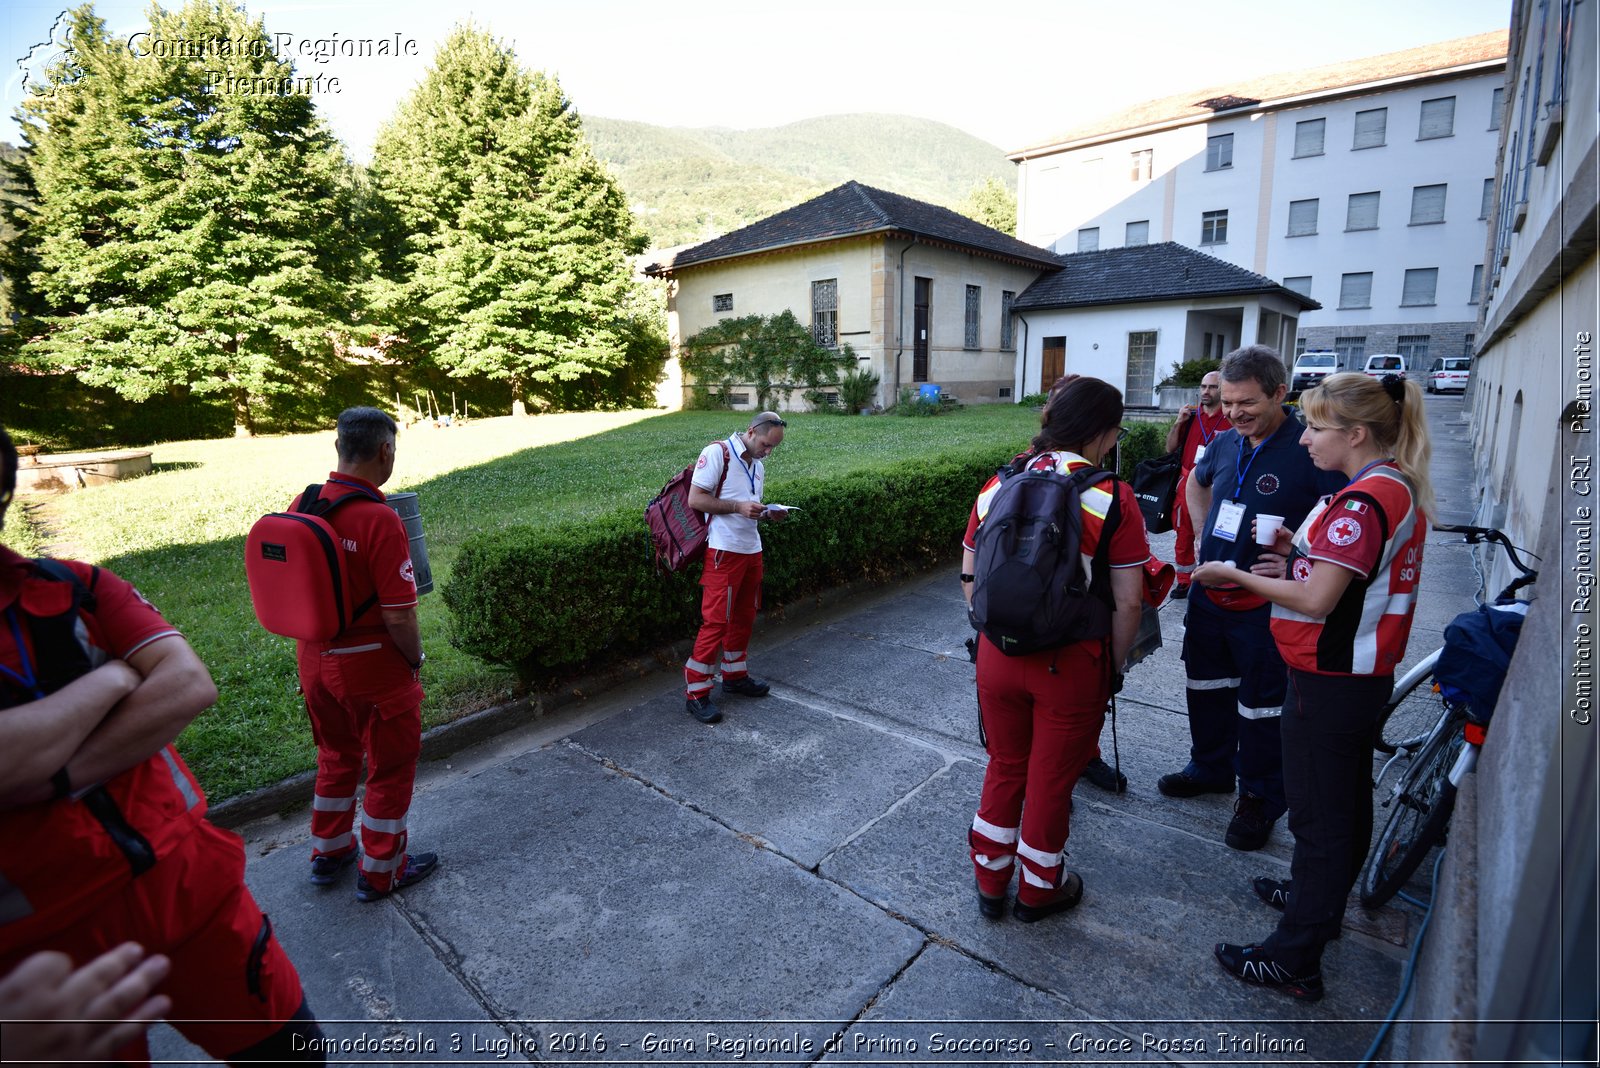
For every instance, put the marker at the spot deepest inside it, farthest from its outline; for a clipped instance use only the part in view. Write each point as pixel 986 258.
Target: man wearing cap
pixel 728 481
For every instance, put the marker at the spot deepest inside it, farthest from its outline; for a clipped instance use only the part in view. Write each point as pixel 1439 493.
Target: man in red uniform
pixel 728 480
pixel 1195 429
pixel 103 823
pixel 361 689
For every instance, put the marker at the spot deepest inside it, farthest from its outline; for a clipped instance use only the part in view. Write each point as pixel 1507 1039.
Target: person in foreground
pixel 104 826
pixel 1192 433
pixel 728 480
pixel 1341 617
pixel 1042 711
pixel 362 690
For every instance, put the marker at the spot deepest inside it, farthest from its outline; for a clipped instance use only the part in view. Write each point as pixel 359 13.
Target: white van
pixel 1310 368
pixel 1449 374
pixel 1385 363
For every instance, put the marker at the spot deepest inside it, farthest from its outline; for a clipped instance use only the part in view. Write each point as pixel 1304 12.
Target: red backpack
pixel 678 531
pixel 294 563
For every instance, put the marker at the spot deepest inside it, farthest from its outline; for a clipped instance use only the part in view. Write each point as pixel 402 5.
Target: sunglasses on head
pixel 769 422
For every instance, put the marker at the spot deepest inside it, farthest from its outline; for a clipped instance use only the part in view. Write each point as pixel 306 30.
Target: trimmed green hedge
pixel 544 599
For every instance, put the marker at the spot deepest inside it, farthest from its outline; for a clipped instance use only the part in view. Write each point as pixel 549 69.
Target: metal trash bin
pixel 410 512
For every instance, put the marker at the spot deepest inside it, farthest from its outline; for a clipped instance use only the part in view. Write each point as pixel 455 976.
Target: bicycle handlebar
pixel 1475 535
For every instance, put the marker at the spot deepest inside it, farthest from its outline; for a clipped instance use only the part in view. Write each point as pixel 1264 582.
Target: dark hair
pixel 8 473
pixel 362 432
pixel 1259 362
pixel 1079 408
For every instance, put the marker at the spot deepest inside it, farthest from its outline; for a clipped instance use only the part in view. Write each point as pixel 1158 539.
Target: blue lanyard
pixel 28 681
pixel 1241 468
pixel 1369 467
pixel 749 470
pixel 1205 439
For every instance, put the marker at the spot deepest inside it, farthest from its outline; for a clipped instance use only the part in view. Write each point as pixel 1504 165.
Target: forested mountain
pixel 689 185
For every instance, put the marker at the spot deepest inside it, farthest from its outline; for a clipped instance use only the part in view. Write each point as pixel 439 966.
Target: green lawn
pixel 179 535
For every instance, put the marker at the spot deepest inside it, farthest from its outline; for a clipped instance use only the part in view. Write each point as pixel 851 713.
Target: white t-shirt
pixel 731 533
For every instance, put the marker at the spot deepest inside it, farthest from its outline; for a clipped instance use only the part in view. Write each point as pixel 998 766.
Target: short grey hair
pixel 1259 362
pixel 362 432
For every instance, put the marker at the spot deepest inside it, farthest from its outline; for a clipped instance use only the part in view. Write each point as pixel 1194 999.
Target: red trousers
pixel 1183 526
pixel 364 701
pixel 731 593
pixel 231 983
pixel 1042 715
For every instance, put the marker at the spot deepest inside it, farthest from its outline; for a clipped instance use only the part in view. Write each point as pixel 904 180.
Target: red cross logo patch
pixel 700 462
pixel 1302 570
pixel 1344 531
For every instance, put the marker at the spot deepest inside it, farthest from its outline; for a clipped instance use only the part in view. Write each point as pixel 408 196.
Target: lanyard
pixel 1369 467
pixel 1199 417
pixel 28 680
pixel 749 469
pixel 1241 468
pixel 358 487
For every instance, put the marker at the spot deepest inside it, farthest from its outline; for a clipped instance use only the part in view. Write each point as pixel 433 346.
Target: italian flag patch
pixel 1356 506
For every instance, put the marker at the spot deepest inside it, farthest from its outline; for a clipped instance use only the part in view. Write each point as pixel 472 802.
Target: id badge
pixel 1199 454
pixel 1230 517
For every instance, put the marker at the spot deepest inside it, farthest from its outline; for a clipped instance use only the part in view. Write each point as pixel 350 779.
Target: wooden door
pixel 921 324
pixel 1054 363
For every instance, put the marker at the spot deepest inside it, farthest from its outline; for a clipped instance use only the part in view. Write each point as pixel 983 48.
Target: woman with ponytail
pixel 1341 616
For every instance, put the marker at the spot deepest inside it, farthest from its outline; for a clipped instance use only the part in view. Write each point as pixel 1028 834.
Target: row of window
pixel 1436 118
pixel 1418 288
pixel 825 313
pixel 1361 213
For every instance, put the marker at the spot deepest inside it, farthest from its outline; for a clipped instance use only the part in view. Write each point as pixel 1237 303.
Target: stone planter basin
pixel 43 473
pixel 1173 398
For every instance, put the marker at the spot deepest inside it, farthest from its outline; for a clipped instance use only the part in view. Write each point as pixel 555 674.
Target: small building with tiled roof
pixel 1128 314
pixel 920 293
pixel 1365 185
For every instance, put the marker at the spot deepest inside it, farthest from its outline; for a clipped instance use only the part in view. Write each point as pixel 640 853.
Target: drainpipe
pixel 900 311
pixel 1022 383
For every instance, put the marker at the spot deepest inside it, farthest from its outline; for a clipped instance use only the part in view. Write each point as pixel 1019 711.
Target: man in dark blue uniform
pixel 1236 679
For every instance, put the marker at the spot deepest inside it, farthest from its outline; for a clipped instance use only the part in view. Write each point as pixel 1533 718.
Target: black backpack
pixel 1029 591
pixel 1155 483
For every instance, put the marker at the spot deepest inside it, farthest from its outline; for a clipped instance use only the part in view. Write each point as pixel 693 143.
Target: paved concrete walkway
pixel 622 884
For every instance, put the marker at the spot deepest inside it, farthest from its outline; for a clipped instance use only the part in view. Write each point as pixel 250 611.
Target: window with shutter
pixel 1089 239
pixel 1420 286
pixel 1438 118
pixel 1372 128
pixel 1427 204
pixel 1362 213
pixel 1302 217
pixel 1477 285
pixel 1301 284
pixel 1138 233
pixel 1219 152
pixel 1497 104
pixel 1308 137
pixel 1355 290
pixel 1488 198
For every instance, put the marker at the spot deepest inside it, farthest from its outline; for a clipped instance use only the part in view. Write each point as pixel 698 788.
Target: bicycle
pixel 1438 736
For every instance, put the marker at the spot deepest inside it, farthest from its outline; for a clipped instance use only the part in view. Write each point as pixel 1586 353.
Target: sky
pixel 1012 75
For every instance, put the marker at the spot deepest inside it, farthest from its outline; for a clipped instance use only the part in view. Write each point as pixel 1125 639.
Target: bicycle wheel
pixel 1420 813
pixel 1412 711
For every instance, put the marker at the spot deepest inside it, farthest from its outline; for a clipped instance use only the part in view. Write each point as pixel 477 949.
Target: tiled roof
pixel 1144 273
pixel 1411 63
pixel 850 210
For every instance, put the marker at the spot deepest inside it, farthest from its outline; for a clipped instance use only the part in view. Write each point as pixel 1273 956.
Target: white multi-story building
pixel 1366 186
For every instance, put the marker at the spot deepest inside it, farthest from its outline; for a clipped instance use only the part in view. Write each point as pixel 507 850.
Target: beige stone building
pixel 922 294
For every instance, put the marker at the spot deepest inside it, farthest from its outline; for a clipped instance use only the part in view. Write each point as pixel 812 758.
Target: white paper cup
pixel 1267 527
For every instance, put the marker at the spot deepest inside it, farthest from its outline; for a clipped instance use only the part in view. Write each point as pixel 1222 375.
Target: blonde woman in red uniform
pixel 1340 617
pixel 1042 711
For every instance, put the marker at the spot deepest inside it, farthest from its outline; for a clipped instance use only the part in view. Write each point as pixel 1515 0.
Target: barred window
pixel 825 312
pixel 1308 136
pixel 1372 128
pixel 1302 217
pixel 722 302
pixel 974 299
pixel 1007 337
pixel 1350 349
pixel 1414 347
pixel 1213 227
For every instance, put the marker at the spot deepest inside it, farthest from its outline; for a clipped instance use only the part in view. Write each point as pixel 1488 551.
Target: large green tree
pixel 774 354
pixel 992 204
pixel 192 217
pixel 507 244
